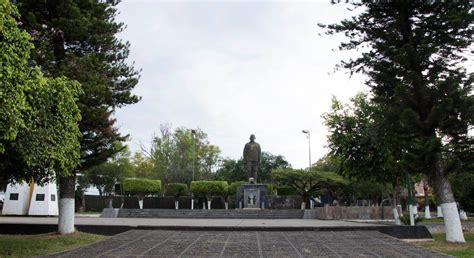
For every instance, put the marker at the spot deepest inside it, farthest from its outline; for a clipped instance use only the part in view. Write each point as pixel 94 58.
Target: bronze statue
pixel 252 156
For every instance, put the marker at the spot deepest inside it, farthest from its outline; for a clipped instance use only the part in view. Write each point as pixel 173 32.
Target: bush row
pixel 142 187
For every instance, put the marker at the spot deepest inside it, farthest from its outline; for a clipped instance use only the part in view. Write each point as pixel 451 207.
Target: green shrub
pixel 269 189
pixel 141 187
pixel 176 189
pixel 285 190
pixel 209 188
pixel 405 218
pixel 233 187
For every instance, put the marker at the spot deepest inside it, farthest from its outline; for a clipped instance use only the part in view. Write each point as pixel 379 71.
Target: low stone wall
pixel 96 203
pixel 350 212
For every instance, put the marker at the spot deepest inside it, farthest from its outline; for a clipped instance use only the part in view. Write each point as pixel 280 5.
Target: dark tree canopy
pixel 414 61
pixel 233 170
pixel 77 39
pixel 414 53
pixel 38 115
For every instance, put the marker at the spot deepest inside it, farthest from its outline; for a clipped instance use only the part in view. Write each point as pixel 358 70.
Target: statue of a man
pixel 252 155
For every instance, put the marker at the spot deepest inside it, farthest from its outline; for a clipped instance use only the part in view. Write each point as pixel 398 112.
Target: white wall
pixel 16 207
pixel 46 206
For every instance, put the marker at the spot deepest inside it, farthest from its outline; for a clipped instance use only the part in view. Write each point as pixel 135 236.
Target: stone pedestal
pixel 251 196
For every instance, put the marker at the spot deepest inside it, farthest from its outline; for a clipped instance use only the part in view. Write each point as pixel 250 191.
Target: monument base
pixel 251 196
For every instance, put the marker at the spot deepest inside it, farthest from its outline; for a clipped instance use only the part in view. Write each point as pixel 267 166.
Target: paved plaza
pixel 169 243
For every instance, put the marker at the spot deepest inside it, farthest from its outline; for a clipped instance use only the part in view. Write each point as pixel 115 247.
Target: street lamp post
pixel 193 134
pixel 308 134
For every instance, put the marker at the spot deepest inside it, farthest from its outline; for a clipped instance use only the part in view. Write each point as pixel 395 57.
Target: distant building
pixel 31 199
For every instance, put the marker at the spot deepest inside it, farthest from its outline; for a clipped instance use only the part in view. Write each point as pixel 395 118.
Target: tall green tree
pixel 268 163
pixel 40 136
pixel 15 47
pixel 362 147
pixel 231 170
pixel 413 54
pixel 175 154
pixel 77 39
pixel 114 171
pixel 144 167
pixel 308 183
pixel 39 133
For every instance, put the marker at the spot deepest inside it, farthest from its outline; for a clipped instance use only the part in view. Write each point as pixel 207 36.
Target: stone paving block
pixel 168 243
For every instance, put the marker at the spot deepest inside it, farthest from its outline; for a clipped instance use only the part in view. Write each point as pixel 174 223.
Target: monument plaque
pixel 251 196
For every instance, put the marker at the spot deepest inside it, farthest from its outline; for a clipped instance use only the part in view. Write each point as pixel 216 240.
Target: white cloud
pixel 233 69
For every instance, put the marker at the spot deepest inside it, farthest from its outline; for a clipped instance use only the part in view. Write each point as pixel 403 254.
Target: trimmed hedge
pixel 209 188
pixel 176 189
pixel 233 187
pixel 285 190
pixel 141 187
pixel 269 189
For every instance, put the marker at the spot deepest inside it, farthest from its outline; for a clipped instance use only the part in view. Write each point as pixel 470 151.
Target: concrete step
pixel 224 214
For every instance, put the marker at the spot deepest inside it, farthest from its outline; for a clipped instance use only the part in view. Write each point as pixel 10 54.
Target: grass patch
pixel 469 219
pixel 43 244
pixel 458 250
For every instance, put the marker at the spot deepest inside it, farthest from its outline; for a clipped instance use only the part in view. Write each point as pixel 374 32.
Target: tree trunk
pixel 303 205
pixel 427 199
pixel 67 189
pixel 396 216
pixel 452 222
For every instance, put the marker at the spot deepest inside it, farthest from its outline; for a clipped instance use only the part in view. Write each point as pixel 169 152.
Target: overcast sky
pixel 233 69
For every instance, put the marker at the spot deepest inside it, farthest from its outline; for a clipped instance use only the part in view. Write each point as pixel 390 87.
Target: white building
pixel 44 201
pixel 23 199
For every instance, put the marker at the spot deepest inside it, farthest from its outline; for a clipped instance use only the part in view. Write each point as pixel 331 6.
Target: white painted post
pixel 396 217
pixel 427 212
pixel 452 223
pixel 208 205
pixel 411 212
pixel 176 205
pixel 226 205
pixel 311 204
pixel 192 204
pixel 140 203
pixel 439 212
pixel 66 217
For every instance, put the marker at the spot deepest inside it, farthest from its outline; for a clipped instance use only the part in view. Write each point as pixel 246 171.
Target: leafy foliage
pixel 174 154
pixel 307 183
pixel 15 49
pixel 233 187
pixel 209 188
pixel 231 171
pixel 76 39
pixel 141 187
pixel 176 189
pixel 463 189
pixel 413 56
pixel 234 170
pixel 268 163
pixel 284 190
pixel 106 175
pixel 39 133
